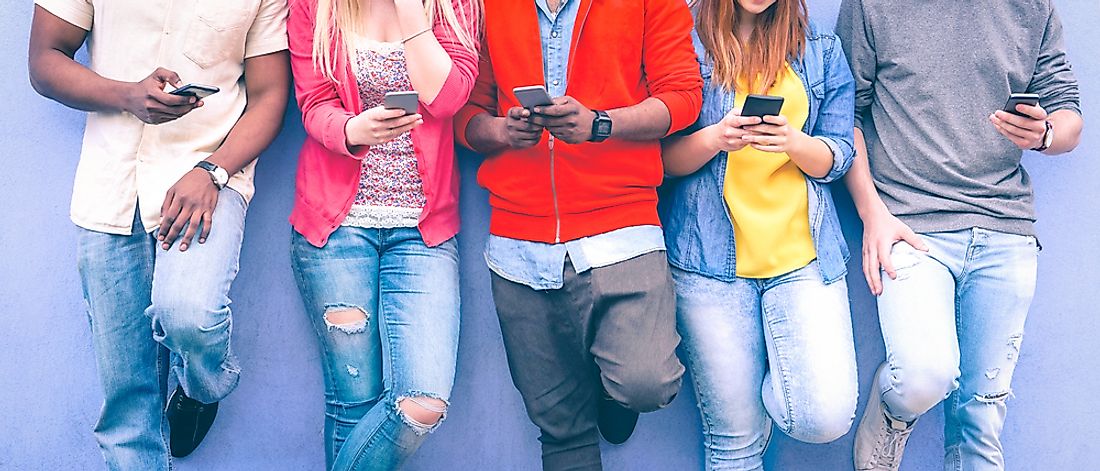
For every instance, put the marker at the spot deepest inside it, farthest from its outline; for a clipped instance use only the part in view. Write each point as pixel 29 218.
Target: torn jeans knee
pixel 347 318
pixel 418 399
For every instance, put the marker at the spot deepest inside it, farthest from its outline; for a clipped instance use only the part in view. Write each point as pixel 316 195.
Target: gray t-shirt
pixel 928 75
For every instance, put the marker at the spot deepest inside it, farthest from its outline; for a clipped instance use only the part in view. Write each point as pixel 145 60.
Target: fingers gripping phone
pixel 408 101
pixel 762 105
pixel 196 90
pixel 532 96
pixel 1029 99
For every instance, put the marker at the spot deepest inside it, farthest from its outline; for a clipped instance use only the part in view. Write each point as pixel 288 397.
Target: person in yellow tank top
pixel 753 236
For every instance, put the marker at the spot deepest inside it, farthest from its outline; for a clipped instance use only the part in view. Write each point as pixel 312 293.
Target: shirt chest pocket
pixel 218 31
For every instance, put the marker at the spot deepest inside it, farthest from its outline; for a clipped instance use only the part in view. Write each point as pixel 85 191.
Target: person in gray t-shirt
pixel 947 206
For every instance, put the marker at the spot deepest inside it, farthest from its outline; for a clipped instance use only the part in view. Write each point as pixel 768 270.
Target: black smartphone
pixel 195 90
pixel 762 105
pixel 1029 99
pixel 532 96
pixel 408 101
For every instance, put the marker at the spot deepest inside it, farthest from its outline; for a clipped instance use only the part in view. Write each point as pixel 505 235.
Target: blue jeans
pixel 767 349
pixel 146 303
pixel 405 347
pixel 953 321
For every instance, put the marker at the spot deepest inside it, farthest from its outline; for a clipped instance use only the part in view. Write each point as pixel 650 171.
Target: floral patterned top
pixel 391 193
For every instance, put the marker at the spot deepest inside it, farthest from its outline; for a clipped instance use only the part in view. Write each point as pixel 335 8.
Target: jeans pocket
pixel 217 32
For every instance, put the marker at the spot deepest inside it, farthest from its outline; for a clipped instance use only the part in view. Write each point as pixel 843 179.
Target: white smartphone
pixel 532 96
pixel 408 101
pixel 195 90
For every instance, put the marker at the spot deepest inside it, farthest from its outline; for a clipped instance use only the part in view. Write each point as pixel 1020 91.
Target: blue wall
pixel 49 395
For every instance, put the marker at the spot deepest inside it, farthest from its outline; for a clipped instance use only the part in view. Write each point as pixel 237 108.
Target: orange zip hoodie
pixel 622 52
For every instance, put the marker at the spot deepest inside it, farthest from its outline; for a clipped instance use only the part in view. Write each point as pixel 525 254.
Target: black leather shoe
pixel 188 421
pixel 616 423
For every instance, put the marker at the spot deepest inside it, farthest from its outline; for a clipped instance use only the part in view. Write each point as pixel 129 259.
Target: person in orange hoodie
pixel 579 273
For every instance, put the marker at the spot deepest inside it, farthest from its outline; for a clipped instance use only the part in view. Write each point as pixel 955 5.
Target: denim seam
pixel 778 365
pixel 307 294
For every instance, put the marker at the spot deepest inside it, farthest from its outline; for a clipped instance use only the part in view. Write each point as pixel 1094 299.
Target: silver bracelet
pixel 410 38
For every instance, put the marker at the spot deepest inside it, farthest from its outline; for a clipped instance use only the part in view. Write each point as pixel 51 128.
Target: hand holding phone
pixel 1029 99
pixel 407 101
pixel 195 90
pixel 762 105
pixel 532 96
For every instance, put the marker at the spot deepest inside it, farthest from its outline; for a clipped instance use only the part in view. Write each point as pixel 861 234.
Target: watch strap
pixel 1047 141
pixel 601 119
pixel 211 168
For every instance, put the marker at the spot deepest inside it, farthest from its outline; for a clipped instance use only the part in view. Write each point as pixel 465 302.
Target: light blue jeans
pixel 767 349
pixel 146 303
pixel 406 348
pixel 953 321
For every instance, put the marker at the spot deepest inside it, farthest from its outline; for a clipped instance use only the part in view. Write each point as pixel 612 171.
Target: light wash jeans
pixel 145 303
pixel 767 349
pixel 953 321
pixel 407 347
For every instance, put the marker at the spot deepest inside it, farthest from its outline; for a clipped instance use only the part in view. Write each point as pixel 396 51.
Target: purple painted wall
pixel 49 395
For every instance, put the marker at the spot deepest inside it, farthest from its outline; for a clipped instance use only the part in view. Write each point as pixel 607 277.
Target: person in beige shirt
pixel 160 196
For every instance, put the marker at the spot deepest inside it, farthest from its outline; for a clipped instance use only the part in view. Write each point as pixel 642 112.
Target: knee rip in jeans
pixel 1014 346
pixel 993 398
pixel 420 411
pixel 346 318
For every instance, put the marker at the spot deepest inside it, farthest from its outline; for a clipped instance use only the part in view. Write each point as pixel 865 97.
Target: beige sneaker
pixel 880 439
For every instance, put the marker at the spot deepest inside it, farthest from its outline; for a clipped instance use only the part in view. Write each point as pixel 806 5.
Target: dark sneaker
pixel 616 422
pixel 880 439
pixel 188 421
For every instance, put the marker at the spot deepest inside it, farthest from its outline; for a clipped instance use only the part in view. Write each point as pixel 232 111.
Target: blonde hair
pixel 340 17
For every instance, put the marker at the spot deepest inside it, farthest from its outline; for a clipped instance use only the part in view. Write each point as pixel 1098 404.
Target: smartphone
pixel 195 90
pixel 1029 99
pixel 408 101
pixel 532 96
pixel 762 105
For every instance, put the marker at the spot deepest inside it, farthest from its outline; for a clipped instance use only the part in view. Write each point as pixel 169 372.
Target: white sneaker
pixel 880 439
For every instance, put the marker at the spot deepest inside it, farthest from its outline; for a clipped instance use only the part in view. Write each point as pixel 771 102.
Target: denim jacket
pixel 698 229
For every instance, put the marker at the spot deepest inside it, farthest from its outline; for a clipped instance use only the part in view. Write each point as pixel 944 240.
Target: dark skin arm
pixel 191 201
pixel 55 75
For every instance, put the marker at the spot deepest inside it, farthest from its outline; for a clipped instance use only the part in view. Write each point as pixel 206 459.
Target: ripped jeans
pixel 953 321
pixel 403 346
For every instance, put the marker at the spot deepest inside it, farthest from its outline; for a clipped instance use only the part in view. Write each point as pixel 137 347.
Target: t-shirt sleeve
pixel 859 49
pixel 268 31
pixel 1053 79
pixel 76 12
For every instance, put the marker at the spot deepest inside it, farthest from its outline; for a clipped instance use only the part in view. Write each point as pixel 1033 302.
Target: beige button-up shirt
pixel 125 163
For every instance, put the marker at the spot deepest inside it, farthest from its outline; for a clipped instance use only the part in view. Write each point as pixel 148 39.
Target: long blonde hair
pixel 340 17
pixel 778 36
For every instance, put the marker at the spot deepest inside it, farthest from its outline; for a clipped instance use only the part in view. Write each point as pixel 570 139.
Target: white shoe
pixel 880 439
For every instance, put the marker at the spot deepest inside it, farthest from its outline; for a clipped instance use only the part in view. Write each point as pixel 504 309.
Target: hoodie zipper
pixel 550 141
pixel 554 193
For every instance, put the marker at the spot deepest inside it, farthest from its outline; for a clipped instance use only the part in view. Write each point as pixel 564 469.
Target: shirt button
pixel 554 34
pixel 556 83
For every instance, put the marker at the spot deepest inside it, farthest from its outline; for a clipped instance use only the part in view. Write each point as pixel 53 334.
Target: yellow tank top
pixel 766 196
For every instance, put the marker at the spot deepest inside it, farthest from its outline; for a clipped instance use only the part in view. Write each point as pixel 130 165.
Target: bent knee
pixel 917 390
pixel 824 426
pixel 183 323
pixel 422 413
pixel 645 393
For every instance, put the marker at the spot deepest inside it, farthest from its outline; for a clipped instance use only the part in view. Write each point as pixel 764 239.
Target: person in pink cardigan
pixel 376 213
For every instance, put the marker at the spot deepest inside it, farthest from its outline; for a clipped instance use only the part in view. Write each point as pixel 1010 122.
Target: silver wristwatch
pixel 217 174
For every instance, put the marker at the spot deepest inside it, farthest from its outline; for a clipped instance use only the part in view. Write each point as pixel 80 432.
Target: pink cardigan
pixel 328 172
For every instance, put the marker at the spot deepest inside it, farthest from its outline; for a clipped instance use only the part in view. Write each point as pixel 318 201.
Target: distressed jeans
pixel 147 304
pixel 953 321
pixel 767 349
pixel 406 346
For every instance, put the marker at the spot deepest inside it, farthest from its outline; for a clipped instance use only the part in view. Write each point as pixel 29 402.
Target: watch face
pixel 604 128
pixel 222 176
